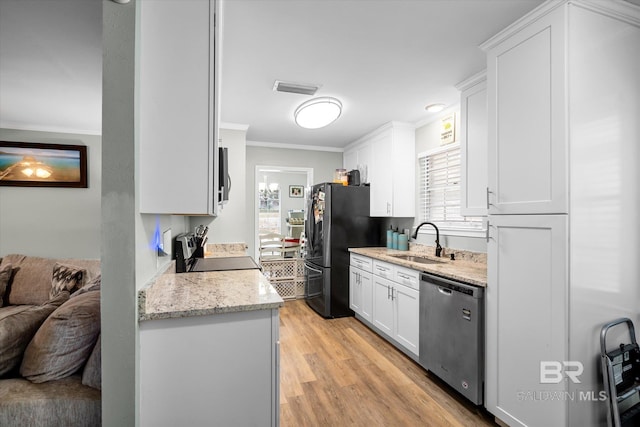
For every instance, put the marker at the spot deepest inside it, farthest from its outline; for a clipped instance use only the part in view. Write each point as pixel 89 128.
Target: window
pixel 440 189
pixel 269 208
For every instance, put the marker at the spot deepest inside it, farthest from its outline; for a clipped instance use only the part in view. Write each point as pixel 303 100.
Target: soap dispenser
pixel 395 238
pixel 390 237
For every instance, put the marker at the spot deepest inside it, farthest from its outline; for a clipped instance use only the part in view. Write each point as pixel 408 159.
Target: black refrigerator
pixel 337 218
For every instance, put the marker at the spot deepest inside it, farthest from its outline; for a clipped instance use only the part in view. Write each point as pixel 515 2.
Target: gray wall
pixel 428 138
pixel 118 299
pixel 53 222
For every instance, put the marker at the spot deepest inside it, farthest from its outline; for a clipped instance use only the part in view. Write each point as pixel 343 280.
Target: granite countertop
pixel 468 267
pixel 174 295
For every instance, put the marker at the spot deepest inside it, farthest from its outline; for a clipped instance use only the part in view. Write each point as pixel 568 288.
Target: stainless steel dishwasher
pixel 452 334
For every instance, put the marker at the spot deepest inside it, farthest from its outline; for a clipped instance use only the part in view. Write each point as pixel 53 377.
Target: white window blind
pixel 440 189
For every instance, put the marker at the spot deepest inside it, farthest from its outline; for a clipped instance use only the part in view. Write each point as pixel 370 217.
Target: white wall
pixel 428 138
pixel 53 222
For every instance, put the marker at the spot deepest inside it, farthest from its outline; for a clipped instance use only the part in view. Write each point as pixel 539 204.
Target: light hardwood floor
pixel 340 373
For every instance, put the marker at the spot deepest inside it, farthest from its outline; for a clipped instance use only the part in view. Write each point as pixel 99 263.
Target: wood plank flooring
pixel 340 373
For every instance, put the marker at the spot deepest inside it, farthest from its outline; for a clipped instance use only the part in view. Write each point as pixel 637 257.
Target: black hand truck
pixel 621 375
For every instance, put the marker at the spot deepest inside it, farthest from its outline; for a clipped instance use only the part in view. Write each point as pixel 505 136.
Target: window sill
pixel 456 232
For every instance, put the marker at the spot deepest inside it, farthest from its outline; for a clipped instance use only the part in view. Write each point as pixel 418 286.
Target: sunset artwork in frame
pixel 31 164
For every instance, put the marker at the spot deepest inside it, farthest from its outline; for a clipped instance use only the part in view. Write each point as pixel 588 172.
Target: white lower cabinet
pixel 221 369
pixel 383 304
pixel 526 315
pixel 406 317
pixel 386 296
pixel 360 292
pixel 396 305
pixel 360 286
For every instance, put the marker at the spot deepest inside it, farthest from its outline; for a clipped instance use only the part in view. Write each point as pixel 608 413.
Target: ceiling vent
pixel 302 89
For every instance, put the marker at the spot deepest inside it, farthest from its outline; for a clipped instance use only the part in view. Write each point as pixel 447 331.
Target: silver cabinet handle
pixel 388 291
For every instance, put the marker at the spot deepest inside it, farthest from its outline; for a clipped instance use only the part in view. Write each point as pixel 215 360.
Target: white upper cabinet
pixel 388 157
pixel 177 107
pixel 526 92
pixel 473 145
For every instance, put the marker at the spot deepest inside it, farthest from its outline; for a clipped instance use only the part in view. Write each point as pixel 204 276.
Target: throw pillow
pixel 66 278
pixel 92 374
pixel 5 275
pixel 18 324
pixel 64 341
pixel 93 285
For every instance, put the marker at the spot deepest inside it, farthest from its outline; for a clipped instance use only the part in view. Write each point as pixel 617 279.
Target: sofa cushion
pixel 64 341
pixel 66 278
pixel 31 282
pixel 5 275
pixel 92 373
pixel 66 402
pixel 18 324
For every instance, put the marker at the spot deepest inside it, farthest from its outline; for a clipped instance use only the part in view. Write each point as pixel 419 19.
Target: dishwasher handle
pixel 447 286
pixel 445 291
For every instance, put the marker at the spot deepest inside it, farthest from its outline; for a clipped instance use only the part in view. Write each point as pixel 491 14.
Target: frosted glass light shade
pixel 318 112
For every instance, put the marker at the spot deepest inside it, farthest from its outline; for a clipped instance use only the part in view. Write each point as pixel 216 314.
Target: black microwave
pixel 224 180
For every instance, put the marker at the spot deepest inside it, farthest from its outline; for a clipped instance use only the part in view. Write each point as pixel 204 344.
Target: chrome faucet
pixel 438 247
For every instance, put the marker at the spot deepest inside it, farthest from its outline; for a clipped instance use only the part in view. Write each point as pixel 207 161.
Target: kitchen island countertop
pixel 175 295
pixel 472 272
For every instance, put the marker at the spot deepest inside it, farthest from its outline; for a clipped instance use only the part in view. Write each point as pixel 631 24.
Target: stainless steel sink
pixel 418 259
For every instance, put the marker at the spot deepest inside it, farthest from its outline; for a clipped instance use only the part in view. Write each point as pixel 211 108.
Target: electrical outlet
pixel 166 242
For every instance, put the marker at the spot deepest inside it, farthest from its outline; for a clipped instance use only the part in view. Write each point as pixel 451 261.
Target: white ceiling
pixel 51 65
pixel 384 59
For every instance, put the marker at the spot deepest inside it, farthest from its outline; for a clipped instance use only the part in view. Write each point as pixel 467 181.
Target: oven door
pixel 317 286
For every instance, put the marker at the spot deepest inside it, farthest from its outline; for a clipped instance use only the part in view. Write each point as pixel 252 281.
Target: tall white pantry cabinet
pixel 563 247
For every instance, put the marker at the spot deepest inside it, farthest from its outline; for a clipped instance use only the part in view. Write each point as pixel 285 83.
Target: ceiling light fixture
pixel 318 112
pixel 434 108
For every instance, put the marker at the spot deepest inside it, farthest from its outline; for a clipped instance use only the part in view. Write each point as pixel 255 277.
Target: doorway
pixel 279 190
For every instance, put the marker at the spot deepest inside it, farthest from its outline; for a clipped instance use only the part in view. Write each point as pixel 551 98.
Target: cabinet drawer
pixel 407 277
pixel 383 269
pixel 361 262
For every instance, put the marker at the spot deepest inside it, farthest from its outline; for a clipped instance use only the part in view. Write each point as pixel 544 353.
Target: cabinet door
pixel 527 120
pixel 176 107
pixel 366 289
pixel 380 175
pixel 406 317
pixel 526 315
pixel 355 290
pixel 350 159
pixel 403 167
pixel 473 148
pixel 382 305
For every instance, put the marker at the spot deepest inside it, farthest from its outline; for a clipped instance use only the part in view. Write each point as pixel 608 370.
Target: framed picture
pixel 31 164
pixel 296 191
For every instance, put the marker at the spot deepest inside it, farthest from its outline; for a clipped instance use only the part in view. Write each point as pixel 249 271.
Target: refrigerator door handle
pixel 312 269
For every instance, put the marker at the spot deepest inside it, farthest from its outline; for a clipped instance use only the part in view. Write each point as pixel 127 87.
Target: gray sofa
pixel 49 342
